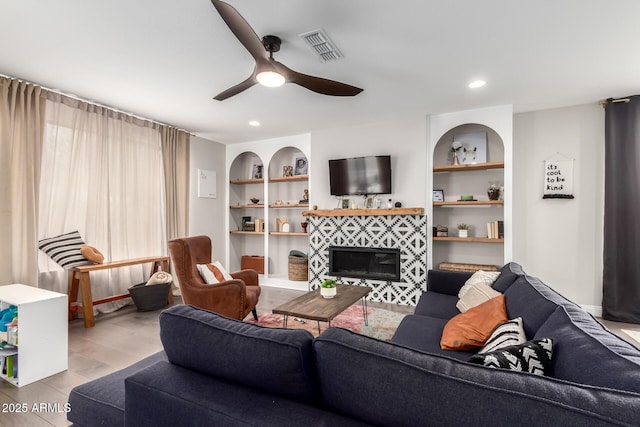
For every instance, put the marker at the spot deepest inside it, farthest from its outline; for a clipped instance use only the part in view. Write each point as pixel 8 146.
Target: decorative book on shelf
pixel 495 230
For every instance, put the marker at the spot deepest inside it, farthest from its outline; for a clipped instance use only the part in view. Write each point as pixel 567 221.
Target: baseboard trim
pixel 593 309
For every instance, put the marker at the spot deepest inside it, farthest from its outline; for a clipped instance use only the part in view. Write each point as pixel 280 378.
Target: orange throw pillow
pixel 471 329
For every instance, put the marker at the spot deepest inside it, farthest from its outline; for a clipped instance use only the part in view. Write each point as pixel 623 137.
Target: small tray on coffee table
pixel 314 306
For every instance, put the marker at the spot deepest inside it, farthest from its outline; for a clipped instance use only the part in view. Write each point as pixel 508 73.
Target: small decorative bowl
pixel 254 200
pixel 466 197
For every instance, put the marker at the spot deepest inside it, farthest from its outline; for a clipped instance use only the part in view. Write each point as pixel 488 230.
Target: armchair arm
pixel 249 277
pixel 225 298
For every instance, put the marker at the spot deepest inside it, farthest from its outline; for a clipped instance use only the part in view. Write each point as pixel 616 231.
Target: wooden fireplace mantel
pixel 364 212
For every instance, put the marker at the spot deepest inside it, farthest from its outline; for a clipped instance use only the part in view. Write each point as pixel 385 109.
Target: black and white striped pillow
pixel 64 249
pixel 509 333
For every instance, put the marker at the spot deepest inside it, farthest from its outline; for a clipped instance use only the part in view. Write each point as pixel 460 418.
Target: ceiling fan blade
pixel 241 29
pixel 316 84
pixel 234 90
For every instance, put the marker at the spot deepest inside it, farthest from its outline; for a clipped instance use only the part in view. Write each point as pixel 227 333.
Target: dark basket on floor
pixel 150 298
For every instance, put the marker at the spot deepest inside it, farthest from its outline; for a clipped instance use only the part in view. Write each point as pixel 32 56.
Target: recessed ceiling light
pixel 476 84
pixel 254 123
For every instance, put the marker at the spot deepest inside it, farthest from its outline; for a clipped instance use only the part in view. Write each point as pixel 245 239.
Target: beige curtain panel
pixel 22 107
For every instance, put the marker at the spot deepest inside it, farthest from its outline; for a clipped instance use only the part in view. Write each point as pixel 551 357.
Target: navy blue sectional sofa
pixel 222 372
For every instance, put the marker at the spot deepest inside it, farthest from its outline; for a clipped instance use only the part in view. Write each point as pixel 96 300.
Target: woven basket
pixel 298 268
pixel 456 266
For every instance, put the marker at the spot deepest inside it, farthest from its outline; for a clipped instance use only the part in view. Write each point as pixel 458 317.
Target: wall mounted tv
pixel 360 176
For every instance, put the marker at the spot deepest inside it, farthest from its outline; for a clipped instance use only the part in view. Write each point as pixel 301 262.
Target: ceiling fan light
pixel 270 79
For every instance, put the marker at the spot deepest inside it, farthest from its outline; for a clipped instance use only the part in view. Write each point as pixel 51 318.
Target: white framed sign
pixel 558 179
pixel 206 184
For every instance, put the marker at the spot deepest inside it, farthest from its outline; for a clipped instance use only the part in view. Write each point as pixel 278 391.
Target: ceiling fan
pixel 268 71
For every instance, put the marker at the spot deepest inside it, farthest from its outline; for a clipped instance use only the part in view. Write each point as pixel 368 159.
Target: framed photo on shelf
pixel 301 166
pixel 474 147
pixel 256 169
pixel 438 195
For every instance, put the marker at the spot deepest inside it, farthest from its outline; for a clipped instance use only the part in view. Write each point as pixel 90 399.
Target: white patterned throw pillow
pixel 532 356
pixel 510 333
pixel 476 295
pixel 480 276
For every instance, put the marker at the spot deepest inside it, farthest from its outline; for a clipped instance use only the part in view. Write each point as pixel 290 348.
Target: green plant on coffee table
pixel 463 226
pixel 328 283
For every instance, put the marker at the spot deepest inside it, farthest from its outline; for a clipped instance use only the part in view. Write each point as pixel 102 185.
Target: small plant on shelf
pixel 463 230
pixel 328 288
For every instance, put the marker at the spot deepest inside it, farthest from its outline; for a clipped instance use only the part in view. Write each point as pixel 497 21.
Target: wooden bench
pixel 79 279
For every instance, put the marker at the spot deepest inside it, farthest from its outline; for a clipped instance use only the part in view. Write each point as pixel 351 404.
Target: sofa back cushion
pixel 508 274
pixel 385 384
pixel 278 361
pixel 585 352
pixel 525 298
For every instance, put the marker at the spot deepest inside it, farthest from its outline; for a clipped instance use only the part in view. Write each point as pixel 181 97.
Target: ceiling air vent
pixel 322 45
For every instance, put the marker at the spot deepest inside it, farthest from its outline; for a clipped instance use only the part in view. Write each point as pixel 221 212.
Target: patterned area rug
pixel 382 323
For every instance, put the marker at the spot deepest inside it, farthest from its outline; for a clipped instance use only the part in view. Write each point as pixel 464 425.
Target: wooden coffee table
pixel 314 306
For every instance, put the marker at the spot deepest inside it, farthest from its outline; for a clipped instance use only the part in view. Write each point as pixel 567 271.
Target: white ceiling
pixel 165 60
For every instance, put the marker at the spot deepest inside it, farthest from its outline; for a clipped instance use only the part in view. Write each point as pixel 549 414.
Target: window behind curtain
pixel 101 175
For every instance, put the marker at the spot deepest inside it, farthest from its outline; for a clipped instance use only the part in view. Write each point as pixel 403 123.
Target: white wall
pixel 404 139
pixel 207 216
pixel 560 241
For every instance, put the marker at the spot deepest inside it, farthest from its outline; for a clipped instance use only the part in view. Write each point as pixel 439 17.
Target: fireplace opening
pixel 364 263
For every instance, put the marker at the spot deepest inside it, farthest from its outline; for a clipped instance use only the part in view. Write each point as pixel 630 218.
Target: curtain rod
pixel 604 102
pixel 77 98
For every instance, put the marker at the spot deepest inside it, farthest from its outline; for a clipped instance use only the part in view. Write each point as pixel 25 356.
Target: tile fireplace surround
pixel 405 232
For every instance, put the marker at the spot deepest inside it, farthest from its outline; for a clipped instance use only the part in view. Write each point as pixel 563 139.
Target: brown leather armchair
pixel 233 298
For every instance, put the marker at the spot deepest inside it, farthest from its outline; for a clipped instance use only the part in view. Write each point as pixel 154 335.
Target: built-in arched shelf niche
pixel 246 182
pixel 497 123
pixel 288 180
pixel 494 148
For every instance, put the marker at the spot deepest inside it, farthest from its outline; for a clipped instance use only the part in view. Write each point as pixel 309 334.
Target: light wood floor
pixel 118 340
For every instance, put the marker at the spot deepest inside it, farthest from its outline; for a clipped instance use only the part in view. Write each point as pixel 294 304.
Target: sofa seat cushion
pixel 277 361
pixel 166 394
pixel 423 333
pixel 395 386
pixel 101 402
pixel 587 353
pixel 435 304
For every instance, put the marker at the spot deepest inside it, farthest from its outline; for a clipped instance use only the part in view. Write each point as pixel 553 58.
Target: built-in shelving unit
pixel 456 180
pixel 282 192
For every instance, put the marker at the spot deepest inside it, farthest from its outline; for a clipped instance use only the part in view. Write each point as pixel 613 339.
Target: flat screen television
pixel 360 176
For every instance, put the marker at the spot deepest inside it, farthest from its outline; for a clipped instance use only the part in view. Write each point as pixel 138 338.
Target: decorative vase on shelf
pixel 455 158
pixel 304 226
